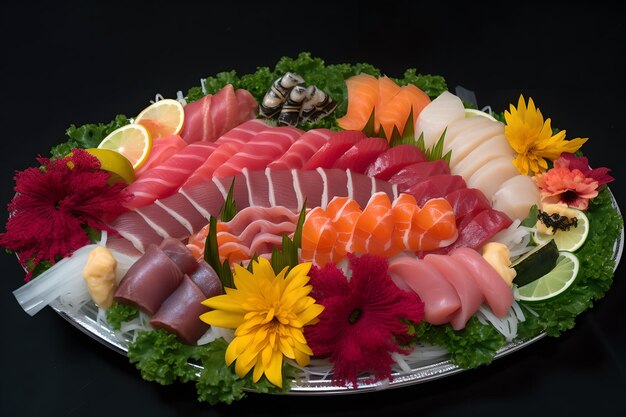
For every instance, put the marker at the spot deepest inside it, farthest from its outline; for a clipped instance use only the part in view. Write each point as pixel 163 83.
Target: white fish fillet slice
pixel 470 139
pixel 437 115
pixel 491 176
pixel 516 196
pixel 497 146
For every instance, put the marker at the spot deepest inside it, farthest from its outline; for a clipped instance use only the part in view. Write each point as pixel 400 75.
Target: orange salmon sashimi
pixel 343 213
pixel 404 209
pixel 437 218
pixel 318 237
pixel 362 98
pixel 387 90
pixel 373 230
pixel 396 111
pixel 196 242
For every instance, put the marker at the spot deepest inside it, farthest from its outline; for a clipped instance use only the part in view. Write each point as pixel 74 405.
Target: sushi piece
pixel 276 96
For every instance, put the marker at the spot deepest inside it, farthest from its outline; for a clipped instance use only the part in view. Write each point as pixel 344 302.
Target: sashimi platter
pixel 315 228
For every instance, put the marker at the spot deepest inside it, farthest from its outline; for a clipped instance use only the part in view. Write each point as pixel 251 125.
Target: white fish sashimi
pixel 468 140
pixel 437 115
pixel 497 146
pixel 516 196
pixel 490 177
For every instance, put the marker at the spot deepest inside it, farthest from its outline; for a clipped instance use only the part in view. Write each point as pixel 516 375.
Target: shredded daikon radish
pixel 215 332
pixel 515 237
pixel 181 98
pixel 203 85
pixel 506 325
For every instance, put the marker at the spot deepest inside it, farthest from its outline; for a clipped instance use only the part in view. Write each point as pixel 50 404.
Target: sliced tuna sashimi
pixel 467 202
pixel 336 146
pixel 361 154
pixel 497 293
pixel 441 301
pixel 213 115
pixel 163 180
pixel 415 173
pixel 261 150
pixel 476 230
pixel 302 149
pixel 162 149
pixel 393 160
pixel 460 278
pixel 243 132
pixel 436 186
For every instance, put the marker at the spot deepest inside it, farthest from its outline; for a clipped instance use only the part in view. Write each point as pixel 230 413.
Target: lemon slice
pixel 120 168
pixel 554 282
pixel 164 117
pixel 132 141
pixel 568 240
pixel 475 112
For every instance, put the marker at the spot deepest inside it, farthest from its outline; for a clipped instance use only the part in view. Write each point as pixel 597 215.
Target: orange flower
pixel 562 185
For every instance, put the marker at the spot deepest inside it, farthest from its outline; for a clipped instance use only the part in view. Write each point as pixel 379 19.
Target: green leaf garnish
pixel 370 127
pixel 229 210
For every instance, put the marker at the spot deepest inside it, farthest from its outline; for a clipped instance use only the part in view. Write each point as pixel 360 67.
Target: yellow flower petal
pixel 273 371
pixel 223 302
pixel 222 319
pixel 310 313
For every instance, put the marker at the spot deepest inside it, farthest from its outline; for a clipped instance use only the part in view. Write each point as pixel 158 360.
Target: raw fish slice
pixel 247 105
pixel 231 249
pixel 462 125
pixel 404 208
pixel 362 98
pixel 243 132
pixel 373 230
pixel 467 202
pixel 248 215
pixel 361 154
pixel 436 116
pixel 302 149
pixel 497 293
pixel 318 237
pixel 162 149
pixel 478 229
pixel 469 140
pixel 516 196
pixel 262 149
pixel 460 278
pixel 417 172
pixel 387 90
pixel 435 186
pixel 343 213
pixel 491 175
pixel 163 180
pixel 336 146
pixel 497 146
pixel 437 219
pixel 397 110
pixel 441 301
pixel 393 160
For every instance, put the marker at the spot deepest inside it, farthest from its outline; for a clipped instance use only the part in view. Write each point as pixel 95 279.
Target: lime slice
pixel 554 282
pixel 568 240
pixel 133 141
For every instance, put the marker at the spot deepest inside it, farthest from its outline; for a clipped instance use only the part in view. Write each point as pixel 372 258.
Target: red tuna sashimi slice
pixel 262 149
pixel 213 115
pixel 393 160
pixel 467 202
pixel 302 149
pixel 337 145
pixel 497 293
pixel 457 274
pixel 361 154
pixel 248 106
pixel 243 132
pixel 179 313
pixel 163 180
pixel 410 175
pixel 289 188
pixel 437 186
pixel 441 300
pixel 162 149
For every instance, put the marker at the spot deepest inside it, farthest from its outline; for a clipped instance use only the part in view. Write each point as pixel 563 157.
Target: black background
pixel 83 63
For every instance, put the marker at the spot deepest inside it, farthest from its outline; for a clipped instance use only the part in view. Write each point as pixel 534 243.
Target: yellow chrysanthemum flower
pixel 532 138
pixel 268 313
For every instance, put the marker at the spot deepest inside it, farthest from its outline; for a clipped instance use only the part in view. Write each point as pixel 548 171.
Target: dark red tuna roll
pixel 180 312
pixel 149 281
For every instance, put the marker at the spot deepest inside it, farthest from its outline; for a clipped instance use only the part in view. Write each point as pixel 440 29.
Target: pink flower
pixel 564 185
pixel 362 318
pixel 571 161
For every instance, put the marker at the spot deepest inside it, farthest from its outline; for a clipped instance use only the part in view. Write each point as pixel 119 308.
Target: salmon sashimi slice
pixel 318 237
pixel 437 218
pixel 363 93
pixel 373 231
pixel 343 213
pixel 396 112
pixel 404 209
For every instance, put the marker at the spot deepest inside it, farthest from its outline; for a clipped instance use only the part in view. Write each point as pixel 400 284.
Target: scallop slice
pixel 470 139
pixel 490 176
pixel 437 115
pixel 490 149
pixel 516 196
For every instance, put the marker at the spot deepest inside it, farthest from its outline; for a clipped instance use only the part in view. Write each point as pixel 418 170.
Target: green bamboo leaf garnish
pixel 408 135
pixel 420 143
pixel 395 135
pixel 229 210
pixel 287 256
pixel 370 127
pixel 436 152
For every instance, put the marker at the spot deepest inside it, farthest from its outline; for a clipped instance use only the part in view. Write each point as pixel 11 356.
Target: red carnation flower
pixel 581 163
pixel 54 202
pixel 362 317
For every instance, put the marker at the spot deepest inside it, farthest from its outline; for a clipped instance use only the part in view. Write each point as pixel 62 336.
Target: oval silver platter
pixel 421 371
